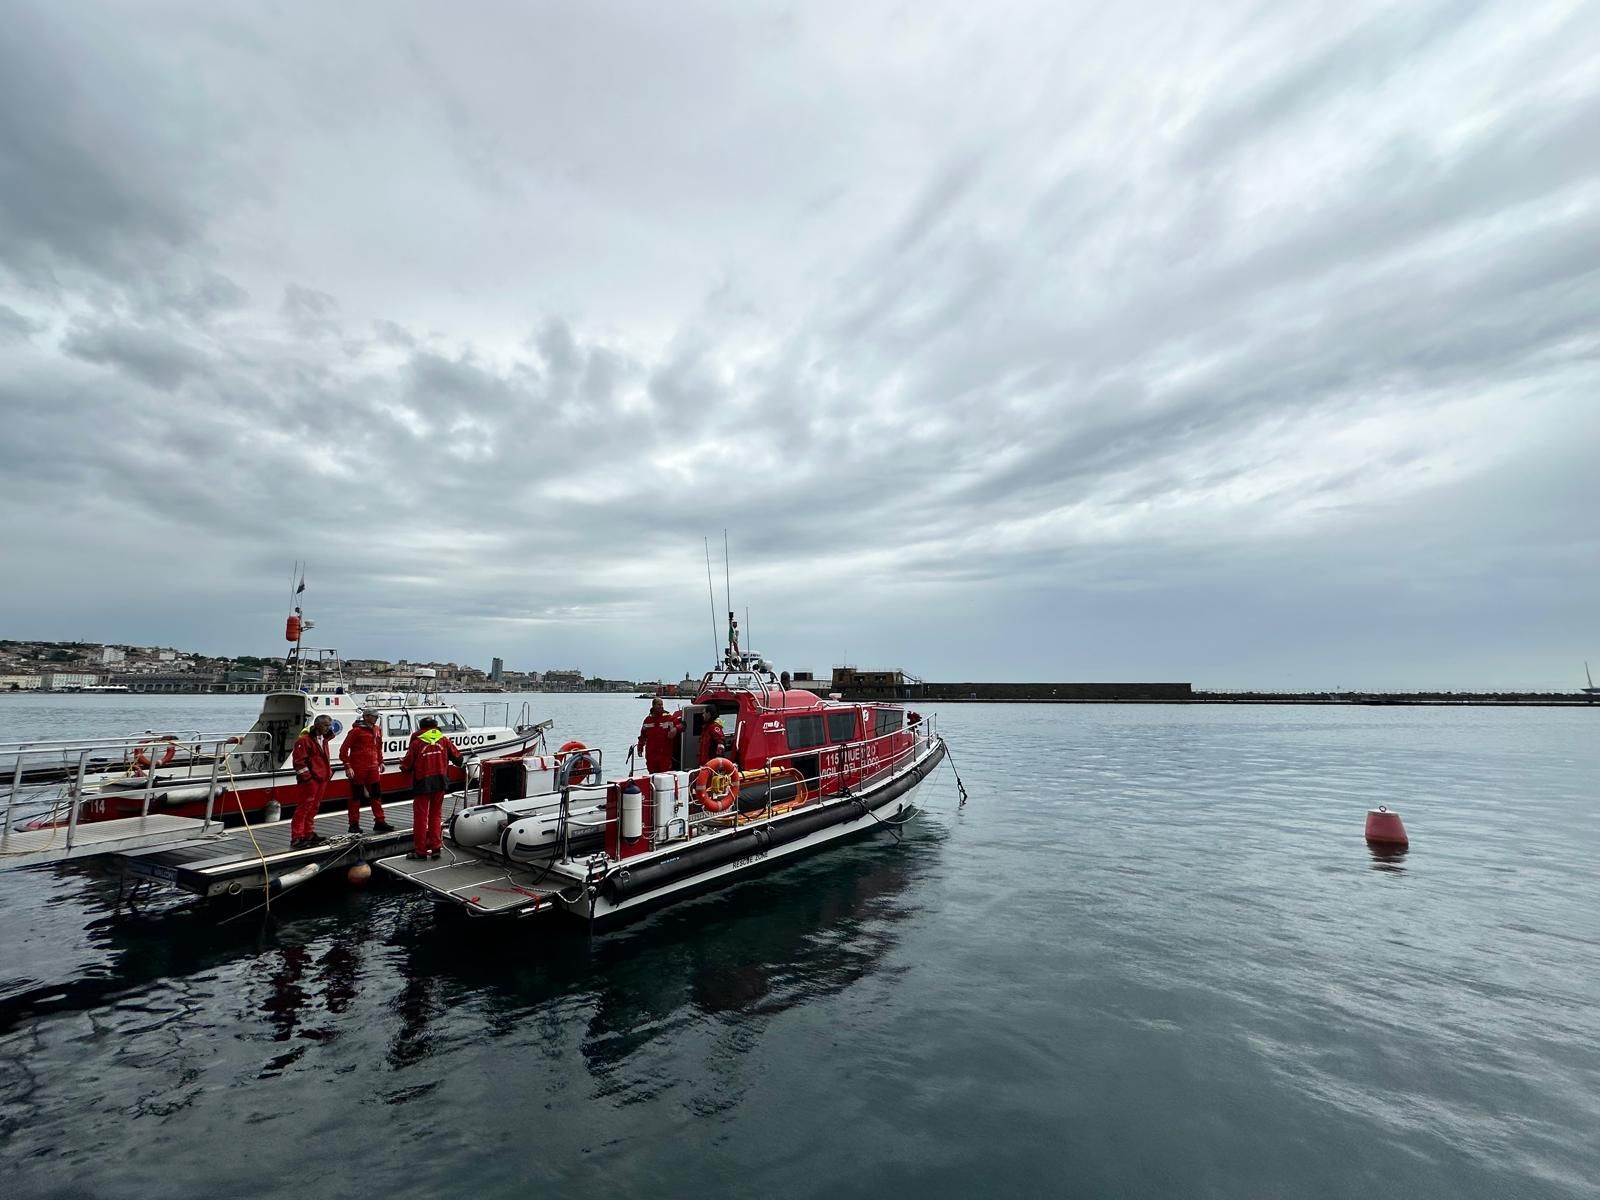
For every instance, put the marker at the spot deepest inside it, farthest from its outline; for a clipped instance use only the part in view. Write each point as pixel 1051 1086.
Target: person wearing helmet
pixel 362 756
pixel 428 758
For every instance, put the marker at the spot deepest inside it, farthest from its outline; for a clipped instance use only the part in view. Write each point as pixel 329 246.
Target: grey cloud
pixel 14 326
pixel 82 181
pixel 148 355
pixel 309 311
pixel 1162 379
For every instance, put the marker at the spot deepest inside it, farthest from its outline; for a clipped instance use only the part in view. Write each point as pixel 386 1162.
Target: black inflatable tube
pixel 759 795
pixel 628 882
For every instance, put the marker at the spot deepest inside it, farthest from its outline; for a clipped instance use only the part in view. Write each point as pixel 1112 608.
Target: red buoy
pixel 1384 828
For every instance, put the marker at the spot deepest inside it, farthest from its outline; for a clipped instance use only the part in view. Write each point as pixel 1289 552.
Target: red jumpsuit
pixel 656 738
pixel 313 770
pixel 362 756
pixel 713 742
pixel 428 758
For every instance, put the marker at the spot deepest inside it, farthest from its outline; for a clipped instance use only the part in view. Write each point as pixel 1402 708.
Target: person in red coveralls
pixel 313 770
pixel 713 740
pixel 428 758
pixel 362 756
pixel 658 735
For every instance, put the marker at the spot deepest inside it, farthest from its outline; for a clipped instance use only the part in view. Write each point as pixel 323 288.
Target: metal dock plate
pixel 480 887
pixel 24 848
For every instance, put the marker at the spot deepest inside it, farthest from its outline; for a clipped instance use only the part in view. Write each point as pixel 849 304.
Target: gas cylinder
pixel 632 812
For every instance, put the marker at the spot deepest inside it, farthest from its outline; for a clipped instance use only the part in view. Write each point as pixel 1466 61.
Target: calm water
pixel 1150 957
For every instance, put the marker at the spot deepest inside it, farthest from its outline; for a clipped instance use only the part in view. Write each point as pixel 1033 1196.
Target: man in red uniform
pixel 713 741
pixel 428 758
pixel 362 756
pixel 313 770
pixel 658 735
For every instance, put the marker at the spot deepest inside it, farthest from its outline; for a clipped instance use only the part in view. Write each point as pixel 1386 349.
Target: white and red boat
pixel 170 776
pixel 803 772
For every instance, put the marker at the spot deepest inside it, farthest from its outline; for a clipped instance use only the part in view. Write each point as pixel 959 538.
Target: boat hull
pixel 634 888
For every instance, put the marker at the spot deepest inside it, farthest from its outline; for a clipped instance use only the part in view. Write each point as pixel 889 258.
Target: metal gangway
pixel 52 780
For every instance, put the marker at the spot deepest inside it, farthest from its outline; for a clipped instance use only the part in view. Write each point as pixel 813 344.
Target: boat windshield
pixel 449 721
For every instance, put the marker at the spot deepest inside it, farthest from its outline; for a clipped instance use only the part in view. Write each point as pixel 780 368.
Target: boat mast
pixel 711 595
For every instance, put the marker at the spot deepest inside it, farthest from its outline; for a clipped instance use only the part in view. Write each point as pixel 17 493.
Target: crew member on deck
pixel 362 756
pixel 313 770
pixel 713 741
pixel 657 736
pixel 428 758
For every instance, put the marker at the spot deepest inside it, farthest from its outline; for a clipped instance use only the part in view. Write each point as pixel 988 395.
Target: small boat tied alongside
pixel 250 775
pixel 799 772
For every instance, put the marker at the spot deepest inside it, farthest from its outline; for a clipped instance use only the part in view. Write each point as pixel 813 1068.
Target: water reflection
pixel 808 930
pixel 1388 858
pixel 755 950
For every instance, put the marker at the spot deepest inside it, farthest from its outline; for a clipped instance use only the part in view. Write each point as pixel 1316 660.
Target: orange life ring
pixel 141 760
pixel 580 769
pixel 721 800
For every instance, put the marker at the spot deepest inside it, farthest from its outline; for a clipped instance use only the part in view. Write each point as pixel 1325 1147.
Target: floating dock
pixel 232 860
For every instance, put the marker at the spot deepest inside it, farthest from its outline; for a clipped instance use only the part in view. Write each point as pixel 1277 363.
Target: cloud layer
pixel 1252 345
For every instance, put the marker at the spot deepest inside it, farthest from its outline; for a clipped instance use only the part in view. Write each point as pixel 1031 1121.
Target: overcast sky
pixel 1247 344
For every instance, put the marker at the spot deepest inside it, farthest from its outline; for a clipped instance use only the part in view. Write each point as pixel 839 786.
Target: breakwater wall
pixel 1184 693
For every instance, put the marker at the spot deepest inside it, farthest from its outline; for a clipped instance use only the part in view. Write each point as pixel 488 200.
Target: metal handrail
pixel 107 743
pixel 221 746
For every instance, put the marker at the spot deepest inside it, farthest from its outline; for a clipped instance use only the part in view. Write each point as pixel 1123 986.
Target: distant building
pixel 556 681
pixel 20 683
pixel 885 685
pixel 497 670
pixel 111 656
pixel 66 681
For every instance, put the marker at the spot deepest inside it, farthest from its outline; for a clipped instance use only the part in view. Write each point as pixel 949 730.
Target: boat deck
pixel 224 863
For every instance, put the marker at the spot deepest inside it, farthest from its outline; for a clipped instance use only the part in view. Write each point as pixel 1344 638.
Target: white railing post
pixel 76 799
pixel 11 800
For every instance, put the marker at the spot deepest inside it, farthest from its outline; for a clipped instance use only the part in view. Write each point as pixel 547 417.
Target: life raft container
pixel 726 777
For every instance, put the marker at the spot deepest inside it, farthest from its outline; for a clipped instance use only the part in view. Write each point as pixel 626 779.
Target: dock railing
pixel 69 761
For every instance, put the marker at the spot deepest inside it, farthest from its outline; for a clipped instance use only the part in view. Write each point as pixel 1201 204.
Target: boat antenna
pixel 711 595
pixel 727 591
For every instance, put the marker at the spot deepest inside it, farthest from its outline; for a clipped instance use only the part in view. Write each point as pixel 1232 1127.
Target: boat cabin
pixel 767 726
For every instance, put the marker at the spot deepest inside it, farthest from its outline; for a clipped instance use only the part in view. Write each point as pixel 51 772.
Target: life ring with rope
pixel 574 771
pixel 716 787
pixel 144 753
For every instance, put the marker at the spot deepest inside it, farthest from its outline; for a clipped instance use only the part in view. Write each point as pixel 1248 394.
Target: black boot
pixel 382 827
pixel 355 826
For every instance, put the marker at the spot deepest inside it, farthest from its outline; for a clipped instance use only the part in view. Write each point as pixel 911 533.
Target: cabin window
pixel 804 732
pixel 842 726
pixel 450 722
pixel 398 725
pixel 889 720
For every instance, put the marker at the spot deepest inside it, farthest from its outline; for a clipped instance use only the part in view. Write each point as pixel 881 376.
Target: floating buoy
pixel 1384 828
pixel 358 875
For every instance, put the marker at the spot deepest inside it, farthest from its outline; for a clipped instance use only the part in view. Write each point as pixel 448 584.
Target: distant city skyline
pixel 1254 348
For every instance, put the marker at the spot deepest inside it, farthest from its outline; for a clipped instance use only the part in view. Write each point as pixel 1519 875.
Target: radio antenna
pixel 711 595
